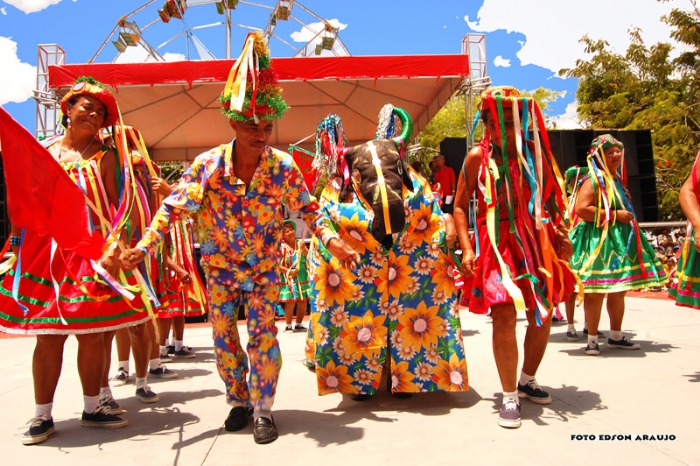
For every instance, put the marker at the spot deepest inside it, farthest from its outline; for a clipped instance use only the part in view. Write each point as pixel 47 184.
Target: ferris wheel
pixel 170 21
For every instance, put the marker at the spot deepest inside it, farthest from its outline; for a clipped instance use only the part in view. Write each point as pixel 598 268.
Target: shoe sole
pixel 593 352
pixel 636 347
pixel 509 423
pixel 539 401
pixel 265 440
pixel 185 356
pixel 117 383
pixel 148 401
pixel 166 359
pixel 573 338
pixel 172 375
pixel 105 425
pixel 38 439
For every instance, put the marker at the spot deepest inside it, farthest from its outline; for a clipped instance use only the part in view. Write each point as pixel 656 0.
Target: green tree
pixel 647 89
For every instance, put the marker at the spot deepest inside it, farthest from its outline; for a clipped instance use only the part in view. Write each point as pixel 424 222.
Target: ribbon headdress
pixel 252 91
pixel 331 142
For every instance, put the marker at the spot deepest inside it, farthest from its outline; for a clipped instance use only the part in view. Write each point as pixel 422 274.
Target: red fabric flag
pixel 41 197
pixel 304 161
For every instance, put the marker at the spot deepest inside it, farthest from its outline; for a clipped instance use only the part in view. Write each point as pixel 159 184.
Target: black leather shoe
pixel 238 418
pixel 359 397
pixel 264 430
pixel 402 395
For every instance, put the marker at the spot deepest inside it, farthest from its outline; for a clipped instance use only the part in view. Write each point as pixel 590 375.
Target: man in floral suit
pixel 239 190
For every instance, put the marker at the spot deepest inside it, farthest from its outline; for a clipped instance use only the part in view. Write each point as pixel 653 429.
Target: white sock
pixel 154 364
pixel 236 404
pixel 172 341
pixel 178 345
pixel 43 411
pixel 616 335
pixel 105 392
pixel 91 403
pixel 524 378
pixel 511 396
pixel 140 382
pixel 571 328
pixel 124 365
pixel 592 338
pixel 164 350
pixel 262 413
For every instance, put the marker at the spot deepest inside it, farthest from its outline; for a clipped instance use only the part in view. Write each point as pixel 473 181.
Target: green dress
pixel 294 288
pixel 624 261
pixel 687 291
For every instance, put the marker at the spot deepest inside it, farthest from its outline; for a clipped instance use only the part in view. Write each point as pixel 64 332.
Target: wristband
pixel 15 240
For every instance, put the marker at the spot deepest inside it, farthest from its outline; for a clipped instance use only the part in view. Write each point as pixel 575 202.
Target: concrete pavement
pixel 654 391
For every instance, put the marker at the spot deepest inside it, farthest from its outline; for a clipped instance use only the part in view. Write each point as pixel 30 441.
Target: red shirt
pixel 446 177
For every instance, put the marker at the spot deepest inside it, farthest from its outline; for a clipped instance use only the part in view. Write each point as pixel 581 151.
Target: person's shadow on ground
pixel 568 402
pixel 335 426
pixel 162 418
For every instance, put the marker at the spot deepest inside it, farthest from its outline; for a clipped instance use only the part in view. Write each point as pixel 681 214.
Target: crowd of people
pixel 380 279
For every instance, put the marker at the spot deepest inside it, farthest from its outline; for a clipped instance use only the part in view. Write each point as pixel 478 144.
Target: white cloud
pixel 569 119
pixel 169 56
pixel 3 11
pixel 17 80
pixel 502 62
pixel 31 6
pixel 554 44
pixel 308 33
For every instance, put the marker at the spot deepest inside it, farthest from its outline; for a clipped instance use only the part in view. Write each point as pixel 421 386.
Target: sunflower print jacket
pixel 402 298
pixel 240 227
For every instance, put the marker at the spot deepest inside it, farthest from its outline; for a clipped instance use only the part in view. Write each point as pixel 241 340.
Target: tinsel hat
pixel 575 172
pixel 87 85
pixel 252 91
pixel 604 141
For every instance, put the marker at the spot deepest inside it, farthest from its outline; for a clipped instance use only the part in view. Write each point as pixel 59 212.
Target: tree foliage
pixel 648 89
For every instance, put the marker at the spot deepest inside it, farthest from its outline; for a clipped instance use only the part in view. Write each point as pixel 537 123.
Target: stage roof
pixel 175 104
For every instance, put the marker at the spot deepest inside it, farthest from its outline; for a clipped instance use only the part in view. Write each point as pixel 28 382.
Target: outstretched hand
pixel 132 257
pixel 344 253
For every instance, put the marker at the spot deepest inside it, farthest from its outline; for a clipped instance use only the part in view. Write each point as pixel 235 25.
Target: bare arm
pixel 586 206
pixel 689 204
pixel 466 185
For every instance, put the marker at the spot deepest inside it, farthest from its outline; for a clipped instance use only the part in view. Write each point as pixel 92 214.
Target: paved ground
pixel 654 391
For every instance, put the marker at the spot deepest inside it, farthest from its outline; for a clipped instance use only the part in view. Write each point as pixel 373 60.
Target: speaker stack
pixel 570 147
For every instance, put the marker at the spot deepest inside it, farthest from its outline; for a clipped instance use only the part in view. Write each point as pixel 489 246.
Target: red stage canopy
pixel 175 104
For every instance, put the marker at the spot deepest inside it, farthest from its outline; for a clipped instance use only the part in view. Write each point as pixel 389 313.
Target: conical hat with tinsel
pixel 252 91
pixel 86 85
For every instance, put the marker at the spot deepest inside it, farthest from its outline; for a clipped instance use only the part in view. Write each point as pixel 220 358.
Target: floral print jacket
pixel 240 227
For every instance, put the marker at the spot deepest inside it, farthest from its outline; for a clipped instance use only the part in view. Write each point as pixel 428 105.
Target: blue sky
pixel 525 45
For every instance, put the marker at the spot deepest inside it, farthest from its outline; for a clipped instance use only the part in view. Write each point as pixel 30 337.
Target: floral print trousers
pixel 264 359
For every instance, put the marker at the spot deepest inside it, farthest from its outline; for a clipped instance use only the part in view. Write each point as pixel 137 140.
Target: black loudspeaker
pixel 570 147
